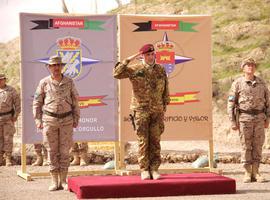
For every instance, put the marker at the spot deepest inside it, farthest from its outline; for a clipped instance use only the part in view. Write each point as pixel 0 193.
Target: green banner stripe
pixel 94 25
pixel 187 27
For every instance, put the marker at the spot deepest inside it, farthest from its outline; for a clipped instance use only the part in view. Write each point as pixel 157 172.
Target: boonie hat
pixel 54 60
pixel 248 61
pixel 2 76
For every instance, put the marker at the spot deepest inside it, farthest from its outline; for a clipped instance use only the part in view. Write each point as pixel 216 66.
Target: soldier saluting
pixel 250 95
pixel 56 112
pixel 150 96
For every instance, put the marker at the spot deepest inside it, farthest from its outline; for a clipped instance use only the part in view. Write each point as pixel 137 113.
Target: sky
pixel 10 9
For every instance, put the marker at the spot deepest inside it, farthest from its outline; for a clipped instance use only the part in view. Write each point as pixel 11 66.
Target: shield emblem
pixel 73 60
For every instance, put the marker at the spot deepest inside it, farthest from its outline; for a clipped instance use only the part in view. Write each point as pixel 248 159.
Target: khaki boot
pixel 248 173
pixel 63 180
pixel 54 185
pixel 145 175
pixel 8 160
pixel 156 175
pixel 1 160
pixel 76 160
pixel 84 159
pixel 38 161
pixel 256 174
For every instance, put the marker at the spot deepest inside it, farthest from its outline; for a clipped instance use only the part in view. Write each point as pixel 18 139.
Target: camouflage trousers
pixel 149 127
pixel 57 138
pixel 7 130
pixel 79 147
pixel 39 148
pixel 252 138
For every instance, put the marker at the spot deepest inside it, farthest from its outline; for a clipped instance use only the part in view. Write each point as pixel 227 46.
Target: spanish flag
pixel 183 97
pixel 85 102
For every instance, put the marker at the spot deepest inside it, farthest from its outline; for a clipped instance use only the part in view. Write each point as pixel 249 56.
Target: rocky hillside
pixel 10 61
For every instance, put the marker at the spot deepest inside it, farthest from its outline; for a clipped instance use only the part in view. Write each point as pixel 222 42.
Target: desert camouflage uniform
pixel 252 99
pixel 41 158
pixel 39 148
pixel 150 96
pixel 79 147
pixel 9 103
pixel 79 152
pixel 57 98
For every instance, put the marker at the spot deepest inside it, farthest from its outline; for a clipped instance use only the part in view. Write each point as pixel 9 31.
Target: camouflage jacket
pixel 150 90
pixel 56 98
pixel 249 95
pixel 9 100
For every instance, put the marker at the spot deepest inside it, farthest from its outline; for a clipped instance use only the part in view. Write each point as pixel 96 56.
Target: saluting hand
pixel 130 58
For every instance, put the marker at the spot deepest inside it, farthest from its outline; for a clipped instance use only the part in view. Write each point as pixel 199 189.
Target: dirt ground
pixel 13 187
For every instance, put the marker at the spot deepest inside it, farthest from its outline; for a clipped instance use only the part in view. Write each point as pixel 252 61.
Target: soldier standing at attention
pixel 150 97
pixel 10 108
pixel 249 96
pixel 56 112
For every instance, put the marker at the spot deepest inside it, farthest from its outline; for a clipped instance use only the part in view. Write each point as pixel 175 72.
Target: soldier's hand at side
pixel 75 125
pixel 39 123
pixel 40 126
pixel 235 127
pixel 266 123
pixel 14 119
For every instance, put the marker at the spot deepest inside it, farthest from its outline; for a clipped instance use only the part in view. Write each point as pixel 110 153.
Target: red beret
pixel 147 48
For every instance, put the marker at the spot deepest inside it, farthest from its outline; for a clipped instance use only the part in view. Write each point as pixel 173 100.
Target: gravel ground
pixel 13 187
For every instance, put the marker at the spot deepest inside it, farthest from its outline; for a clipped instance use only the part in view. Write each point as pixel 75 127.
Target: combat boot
pixel 63 180
pixel 156 175
pixel 8 160
pixel 1 160
pixel 38 161
pixel 76 159
pixel 256 174
pixel 248 173
pixel 54 186
pixel 83 159
pixel 145 175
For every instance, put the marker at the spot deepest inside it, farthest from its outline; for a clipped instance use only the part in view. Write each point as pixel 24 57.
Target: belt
pixel 59 116
pixel 7 113
pixel 251 112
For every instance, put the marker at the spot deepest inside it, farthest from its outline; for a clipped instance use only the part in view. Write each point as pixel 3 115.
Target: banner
pixel 87 43
pixel 183 47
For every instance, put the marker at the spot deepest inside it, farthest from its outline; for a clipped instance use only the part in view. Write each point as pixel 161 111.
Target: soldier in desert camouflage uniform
pixel 79 152
pixel 249 96
pixel 150 96
pixel 42 159
pixel 10 108
pixel 56 111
